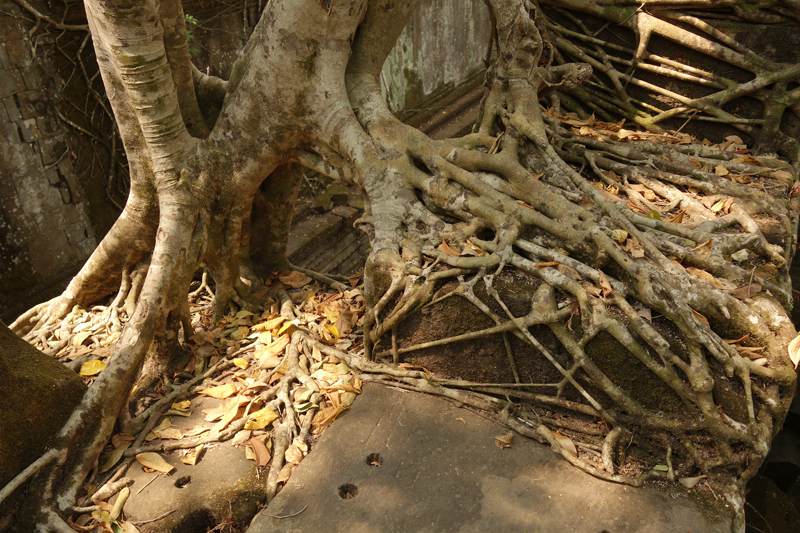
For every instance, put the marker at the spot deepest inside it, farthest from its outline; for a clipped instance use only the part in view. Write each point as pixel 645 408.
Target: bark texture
pixel 446 218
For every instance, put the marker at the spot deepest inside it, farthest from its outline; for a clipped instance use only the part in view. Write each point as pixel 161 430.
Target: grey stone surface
pixel 441 471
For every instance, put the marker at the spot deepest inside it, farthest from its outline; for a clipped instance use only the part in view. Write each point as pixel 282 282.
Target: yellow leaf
pixel 286 328
pixel 333 330
pixel 79 339
pixel 717 207
pixel 240 333
pixel 235 410
pixel 241 363
pixel 220 392
pixel 260 419
pixel 191 457
pixel 153 461
pixel 92 368
pixel 619 235
pixel 182 405
pixel 114 457
pixel 331 314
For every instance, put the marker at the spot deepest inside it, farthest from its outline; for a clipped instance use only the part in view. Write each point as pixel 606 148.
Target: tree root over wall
pixel 676 251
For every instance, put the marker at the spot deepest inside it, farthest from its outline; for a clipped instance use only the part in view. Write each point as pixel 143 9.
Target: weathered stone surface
pixel 441 471
pixel 37 395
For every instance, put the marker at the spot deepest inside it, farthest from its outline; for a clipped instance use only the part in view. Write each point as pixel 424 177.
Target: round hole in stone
pixel 182 482
pixel 348 491
pixel 374 459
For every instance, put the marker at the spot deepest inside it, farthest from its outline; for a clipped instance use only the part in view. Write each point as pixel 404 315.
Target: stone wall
pixel 442 47
pixel 45 234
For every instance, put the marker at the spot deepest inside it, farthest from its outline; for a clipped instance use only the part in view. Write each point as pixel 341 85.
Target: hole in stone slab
pixel 374 459
pixel 182 482
pixel 348 491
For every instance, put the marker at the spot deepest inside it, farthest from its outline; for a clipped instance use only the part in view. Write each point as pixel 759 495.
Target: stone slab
pixel 441 471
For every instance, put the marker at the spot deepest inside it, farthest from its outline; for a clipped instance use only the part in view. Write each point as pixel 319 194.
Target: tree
pixel 305 92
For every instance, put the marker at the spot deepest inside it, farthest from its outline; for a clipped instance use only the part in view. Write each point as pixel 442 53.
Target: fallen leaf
pixel 661 468
pixel 703 320
pixel 151 461
pixel 566 443
pixel 794 350
pixel 262 455
pixel 92 368
pixel 605 285
pixel 504 440
pixel 294 279
pixel 633 247
pixel 748 160
pixel 114 457
pixel 260 419
pixel 677 219
pixel 704 248
pixel 241 363
pixel 182 405
pixel 747 291
pixel 619 235
pixel 190 458
pixel 220 392
pixel 690 482
pixel 286 472
pixel 569 272
pixel 655 215
pixel 720 170
pixel 446 249
pixel 121 438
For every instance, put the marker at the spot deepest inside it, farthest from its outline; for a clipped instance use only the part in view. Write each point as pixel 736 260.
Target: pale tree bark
pixel 305 93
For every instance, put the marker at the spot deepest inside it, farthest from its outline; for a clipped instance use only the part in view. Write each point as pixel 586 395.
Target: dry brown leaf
pixel 703 320
pixel 740 340
pixel 504 440
pixel 569 272
pixel 325 417
pixel 633 247
pixel 262 455
pixel 748 160
pixel 566 443
pixel 286 472
pixel 605 285
pixel 720 170
pixel 221 392
pixel 695 162
pixel 446 249
pixel 704 248
pixel 121 438
pixel 294 279
pixel 677 219
pixel 151 461
pixel 190 458
pixel 747 291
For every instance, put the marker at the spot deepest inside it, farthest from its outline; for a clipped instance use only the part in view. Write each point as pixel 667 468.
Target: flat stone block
pixel 441 471
pixel 11 83
pixel 11 109
pixel 31 104
pixel 28 130
pixel 5 63
pixel 19 52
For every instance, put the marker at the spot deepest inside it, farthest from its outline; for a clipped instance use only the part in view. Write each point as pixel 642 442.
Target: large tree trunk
pixel 305 92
